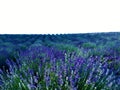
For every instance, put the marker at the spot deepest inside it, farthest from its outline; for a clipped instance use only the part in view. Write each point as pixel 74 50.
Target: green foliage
pixel 89 45
pixel 66 47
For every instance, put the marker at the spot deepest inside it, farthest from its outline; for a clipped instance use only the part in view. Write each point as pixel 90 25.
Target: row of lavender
pixel 43 68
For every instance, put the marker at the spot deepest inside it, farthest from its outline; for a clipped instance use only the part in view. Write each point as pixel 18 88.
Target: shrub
pixel 42 68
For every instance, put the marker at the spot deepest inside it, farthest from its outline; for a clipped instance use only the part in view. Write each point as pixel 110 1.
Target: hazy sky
pixel 59 16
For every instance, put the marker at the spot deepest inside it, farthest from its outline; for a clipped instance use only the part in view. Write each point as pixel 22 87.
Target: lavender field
pixel 88 61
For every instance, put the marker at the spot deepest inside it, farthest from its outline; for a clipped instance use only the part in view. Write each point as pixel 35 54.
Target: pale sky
pixel 59 16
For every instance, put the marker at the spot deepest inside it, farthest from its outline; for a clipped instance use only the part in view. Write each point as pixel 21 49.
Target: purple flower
pixel 30 71
pixel 60 80
pixel 1 71
pixel 35 79
pixel 32 87
pixel 47 80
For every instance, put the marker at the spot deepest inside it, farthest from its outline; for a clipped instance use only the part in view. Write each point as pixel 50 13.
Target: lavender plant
pixel 43 68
